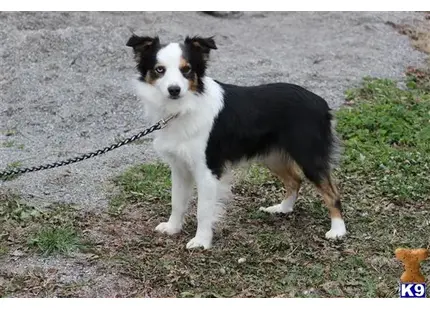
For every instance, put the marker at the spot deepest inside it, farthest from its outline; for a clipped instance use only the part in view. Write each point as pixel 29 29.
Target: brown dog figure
pixel 411 259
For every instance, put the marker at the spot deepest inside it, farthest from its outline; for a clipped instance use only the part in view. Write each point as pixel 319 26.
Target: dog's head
pixel 174 69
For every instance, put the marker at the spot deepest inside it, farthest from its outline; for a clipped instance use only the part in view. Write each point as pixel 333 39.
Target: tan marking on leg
pixel 332 201
pixel 331 197
pixel 289 173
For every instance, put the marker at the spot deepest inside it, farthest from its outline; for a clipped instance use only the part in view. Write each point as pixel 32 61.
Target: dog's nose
pixel 174 90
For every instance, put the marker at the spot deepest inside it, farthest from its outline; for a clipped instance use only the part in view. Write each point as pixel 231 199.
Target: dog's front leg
pixel 182 189
pixel 208 209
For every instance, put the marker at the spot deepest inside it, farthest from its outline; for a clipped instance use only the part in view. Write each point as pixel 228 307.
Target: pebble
pixel 241 260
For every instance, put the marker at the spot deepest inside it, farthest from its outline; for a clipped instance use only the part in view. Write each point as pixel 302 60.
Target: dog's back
pixel 257 121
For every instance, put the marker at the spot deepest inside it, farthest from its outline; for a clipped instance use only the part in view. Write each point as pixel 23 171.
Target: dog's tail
pixel 336 146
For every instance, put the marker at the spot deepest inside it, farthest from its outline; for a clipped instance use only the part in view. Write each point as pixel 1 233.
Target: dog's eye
pixel 160 70
pixel 186 69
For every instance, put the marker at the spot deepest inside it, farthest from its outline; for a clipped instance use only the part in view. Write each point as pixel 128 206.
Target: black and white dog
pixel 217 125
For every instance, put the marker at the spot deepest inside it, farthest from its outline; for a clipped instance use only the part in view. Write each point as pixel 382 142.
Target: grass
pixel 50 231
pixel 12 208
pixel 53 240
pixel 383 179
pixel 31 233
pixel 150 183
pixel 387 140
pixel 418 78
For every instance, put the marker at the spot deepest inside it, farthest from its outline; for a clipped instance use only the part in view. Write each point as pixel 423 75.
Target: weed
pixel 53 240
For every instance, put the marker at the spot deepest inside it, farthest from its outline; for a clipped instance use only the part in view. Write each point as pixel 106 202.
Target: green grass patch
pixel 51 230
pixel 418 78
pixel 149 183
pixel 256 175
pixel 386 134
pixel 12 208
pixel 56 240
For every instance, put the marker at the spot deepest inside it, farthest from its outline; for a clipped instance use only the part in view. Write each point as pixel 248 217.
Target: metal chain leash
pixel 157 126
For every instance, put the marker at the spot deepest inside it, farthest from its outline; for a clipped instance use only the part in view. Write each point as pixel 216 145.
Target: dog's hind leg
pixel 289 173
pixel 328 190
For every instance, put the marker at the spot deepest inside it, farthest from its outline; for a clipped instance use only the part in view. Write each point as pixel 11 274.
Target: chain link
pixel 17 171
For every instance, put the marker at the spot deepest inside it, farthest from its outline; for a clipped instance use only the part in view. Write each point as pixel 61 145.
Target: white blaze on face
pixel 171 57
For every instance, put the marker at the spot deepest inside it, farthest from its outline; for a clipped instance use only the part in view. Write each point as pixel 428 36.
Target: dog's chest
pixel 180 144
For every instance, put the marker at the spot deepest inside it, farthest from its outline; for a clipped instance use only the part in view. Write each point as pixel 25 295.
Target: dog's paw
pixel 167 228
pixel 198 242
pixel 286 206
pixel 338 229
pixel 277 209
pixel 333 234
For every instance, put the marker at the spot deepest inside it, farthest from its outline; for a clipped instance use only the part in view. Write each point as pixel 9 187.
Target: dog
pixel 214 126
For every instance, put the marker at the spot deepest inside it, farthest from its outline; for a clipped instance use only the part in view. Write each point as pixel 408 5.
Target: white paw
pixel 334 234
pixel 198 242
pixel 276 209
pixel 337 230
pixel 167 228
pixel 286 206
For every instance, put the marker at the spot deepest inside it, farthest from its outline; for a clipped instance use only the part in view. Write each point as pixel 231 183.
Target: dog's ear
pixel 199 42
pixel 141 44
pixel 202 44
